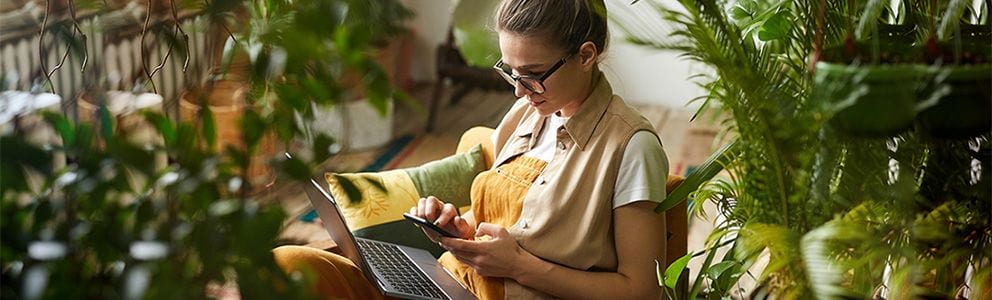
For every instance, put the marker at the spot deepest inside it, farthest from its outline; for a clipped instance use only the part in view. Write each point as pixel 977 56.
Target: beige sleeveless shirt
pixel 567 215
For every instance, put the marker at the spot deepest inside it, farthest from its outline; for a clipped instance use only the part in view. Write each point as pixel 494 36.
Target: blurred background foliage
pixel 95 216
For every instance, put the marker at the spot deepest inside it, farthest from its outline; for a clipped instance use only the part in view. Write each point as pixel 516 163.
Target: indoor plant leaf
pixel 674 271
pixel 712 166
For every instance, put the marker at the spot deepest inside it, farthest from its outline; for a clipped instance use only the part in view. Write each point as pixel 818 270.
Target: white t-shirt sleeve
pixel 643 171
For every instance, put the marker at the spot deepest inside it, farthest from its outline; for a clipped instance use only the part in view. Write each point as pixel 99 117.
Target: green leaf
pixel 106 122
pixel 349 189
pixel 209 127
pixel 291 96
pixel 341 39
pixel 675 270
pixel 253 127
pixel 409 102
pixel 132 156
pixel 186 138
pixel 717 269
pixel 18 155
pixel 776 27
pixel 163 125
pixel 238 156
pixel 316 89
pixel 322 147
pixel 712 166
pixel 61 125
pixel 951 19
pixel 743 11
pixel 722 273
pixel 296 169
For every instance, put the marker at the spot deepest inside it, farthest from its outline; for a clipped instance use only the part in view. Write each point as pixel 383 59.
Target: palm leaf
pixel 713 165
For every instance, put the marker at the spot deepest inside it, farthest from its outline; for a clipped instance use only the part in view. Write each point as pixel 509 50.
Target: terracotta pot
pixel 227 103
pixel 124 108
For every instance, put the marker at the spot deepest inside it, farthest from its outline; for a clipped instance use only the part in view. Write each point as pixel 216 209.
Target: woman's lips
pixel 536 103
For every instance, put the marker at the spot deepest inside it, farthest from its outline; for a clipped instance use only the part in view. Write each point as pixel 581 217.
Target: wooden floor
pixel 686 144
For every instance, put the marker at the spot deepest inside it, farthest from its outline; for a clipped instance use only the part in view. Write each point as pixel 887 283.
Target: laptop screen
pixel 336 226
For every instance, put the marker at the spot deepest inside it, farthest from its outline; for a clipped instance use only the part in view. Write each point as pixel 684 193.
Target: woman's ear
pixel 588 54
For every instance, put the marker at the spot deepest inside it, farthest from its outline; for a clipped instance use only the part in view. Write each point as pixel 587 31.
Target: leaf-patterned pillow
pixel 383 197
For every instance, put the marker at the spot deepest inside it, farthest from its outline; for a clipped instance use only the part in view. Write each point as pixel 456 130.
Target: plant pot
pixel 128 123
pixel 356 124
pixel 21 113
pixel 227 103
pixel 960 103
pixel 877 100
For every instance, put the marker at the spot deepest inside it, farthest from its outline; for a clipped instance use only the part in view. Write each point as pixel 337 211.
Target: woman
pixel 567 211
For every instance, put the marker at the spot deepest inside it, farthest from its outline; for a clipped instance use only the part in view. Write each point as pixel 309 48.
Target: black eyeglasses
pixel 533 83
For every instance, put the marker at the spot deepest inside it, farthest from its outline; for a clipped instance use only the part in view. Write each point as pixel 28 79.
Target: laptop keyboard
pixel 399 271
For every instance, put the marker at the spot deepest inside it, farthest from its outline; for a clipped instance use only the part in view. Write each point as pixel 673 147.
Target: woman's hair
pixel 567 23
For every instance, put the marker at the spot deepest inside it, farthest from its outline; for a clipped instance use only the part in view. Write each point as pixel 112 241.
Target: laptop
pixel 398 271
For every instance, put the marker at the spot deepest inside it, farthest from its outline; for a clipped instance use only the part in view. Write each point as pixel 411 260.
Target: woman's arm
pixel 640 240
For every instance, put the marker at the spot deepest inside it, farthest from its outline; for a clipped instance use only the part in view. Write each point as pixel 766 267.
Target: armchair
pixel 378 214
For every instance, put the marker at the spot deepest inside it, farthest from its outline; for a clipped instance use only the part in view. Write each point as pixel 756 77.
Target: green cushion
pixel 385 196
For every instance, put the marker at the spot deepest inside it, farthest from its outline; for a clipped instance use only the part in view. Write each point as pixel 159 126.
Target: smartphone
pixel 424 224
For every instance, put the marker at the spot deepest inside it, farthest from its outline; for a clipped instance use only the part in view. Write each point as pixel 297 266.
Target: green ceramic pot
pixel 870 100
pixel 958 103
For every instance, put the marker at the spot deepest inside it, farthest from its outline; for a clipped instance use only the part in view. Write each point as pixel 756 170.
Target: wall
pixel 430 25
pixel 641 76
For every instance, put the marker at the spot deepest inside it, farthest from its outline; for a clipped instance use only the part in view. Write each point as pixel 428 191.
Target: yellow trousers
pixel 335 276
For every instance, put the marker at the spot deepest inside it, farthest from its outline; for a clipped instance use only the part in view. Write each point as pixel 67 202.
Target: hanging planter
pixel 869 100
pixel 959 98
pixel 959 103
pixel 870 84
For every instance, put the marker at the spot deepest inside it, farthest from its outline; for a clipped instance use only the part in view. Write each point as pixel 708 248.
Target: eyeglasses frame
pixel 513 79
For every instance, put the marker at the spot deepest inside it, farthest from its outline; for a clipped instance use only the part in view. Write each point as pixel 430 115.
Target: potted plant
pixel 960 86
pixel 871 80
pixel 838 211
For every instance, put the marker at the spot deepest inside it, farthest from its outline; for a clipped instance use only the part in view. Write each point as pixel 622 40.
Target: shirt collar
pixel 580 126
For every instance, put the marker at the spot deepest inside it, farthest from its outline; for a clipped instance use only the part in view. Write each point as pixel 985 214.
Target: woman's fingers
pixel 492 230
pixel 421 208
pixel 464 229
pixel 448 212
pixel 433 208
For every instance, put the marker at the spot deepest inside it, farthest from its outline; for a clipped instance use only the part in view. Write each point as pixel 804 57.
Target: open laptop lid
pixel 336 226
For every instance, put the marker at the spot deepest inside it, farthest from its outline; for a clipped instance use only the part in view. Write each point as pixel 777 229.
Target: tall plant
pixel 839 212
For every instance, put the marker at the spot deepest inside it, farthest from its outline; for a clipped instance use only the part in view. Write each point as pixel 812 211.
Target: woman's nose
pixel 519 90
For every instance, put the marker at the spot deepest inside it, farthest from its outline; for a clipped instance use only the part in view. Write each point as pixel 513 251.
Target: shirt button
pixel 561 145
pixel 524 224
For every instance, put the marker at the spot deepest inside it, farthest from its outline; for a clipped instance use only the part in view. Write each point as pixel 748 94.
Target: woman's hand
pixel 493 253
pixel 444 215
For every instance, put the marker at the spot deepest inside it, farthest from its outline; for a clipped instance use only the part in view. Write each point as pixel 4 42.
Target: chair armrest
pixel 677 220
pixel 478 135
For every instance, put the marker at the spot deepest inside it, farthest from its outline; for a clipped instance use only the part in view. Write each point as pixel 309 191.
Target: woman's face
pixel 565 89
